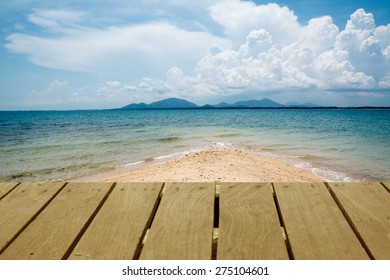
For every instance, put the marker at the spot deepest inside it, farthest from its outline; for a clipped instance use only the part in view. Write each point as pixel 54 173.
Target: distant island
pixel 177 103
pixel 265 103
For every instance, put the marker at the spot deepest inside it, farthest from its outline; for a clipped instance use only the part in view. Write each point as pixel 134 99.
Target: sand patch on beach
pixel 217 164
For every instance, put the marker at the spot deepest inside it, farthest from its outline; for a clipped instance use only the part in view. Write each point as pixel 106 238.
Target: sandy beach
pixel 216 164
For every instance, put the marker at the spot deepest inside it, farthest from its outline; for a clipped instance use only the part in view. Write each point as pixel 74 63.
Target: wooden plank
pixel 116 231
pixel 368 207
pixel 21 205
pixel 183 225
pixel 56 228
pixel 315 226
pixel 249 227
pixel 6 187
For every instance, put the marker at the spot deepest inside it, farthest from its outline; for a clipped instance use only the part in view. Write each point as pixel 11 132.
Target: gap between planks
pixel 386 186
pixel 116 231
pixel 281 221
pixel 9 191
pixel 368 207
pixel 183 226
pixel 2 250
pixel 88 223
pixel 144 235
pixel 316 227
pixel 349 220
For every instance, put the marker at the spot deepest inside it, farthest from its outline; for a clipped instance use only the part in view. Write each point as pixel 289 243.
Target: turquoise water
pixel 338 145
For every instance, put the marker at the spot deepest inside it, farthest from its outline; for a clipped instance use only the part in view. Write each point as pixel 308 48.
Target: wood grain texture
pixel 183 225
pixel 118 227
pixel 249 226
pixel 6 187
pixel 315 226
pixel 20 206
pixel 97 221
pixel 54 230
pixel 368 207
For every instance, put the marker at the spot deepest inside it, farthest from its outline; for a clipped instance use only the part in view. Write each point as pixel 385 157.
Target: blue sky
pixel 103 54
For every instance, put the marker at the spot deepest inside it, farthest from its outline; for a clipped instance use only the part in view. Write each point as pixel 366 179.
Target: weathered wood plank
pixel 183 225
pixel 21 205
pixel 249 226
pixel 368 207
pixel 6 187
pixel 315 226
pixel 55 229
pixel 118 227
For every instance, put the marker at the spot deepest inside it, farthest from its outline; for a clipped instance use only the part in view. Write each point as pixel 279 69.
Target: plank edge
pixel 20 231
pixel 87 224
pixel 349 220
pixel 138 250
pixel 10 190
pixel 287 243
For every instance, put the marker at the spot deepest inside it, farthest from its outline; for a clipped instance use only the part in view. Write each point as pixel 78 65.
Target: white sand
pixel 217 164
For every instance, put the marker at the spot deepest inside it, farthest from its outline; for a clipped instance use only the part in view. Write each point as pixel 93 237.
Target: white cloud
pixel 56 93
pixel 316 56
pixel 319 35
pixel 56 20
pixel 383 35
pixel 360 20
pixel 147 49
pixel 240 18
pixel 385 81
pixel 19 26
pixel 264 50
pixel 61 94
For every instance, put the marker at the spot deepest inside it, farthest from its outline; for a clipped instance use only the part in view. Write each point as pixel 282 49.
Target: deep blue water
pixel 335 144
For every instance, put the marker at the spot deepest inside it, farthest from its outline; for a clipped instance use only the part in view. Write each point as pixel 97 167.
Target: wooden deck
pixel 197 221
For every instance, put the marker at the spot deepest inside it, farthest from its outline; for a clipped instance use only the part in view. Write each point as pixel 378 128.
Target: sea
pixel 335 144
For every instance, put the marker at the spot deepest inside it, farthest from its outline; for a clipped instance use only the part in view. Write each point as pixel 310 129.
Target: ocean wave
pixel 326 174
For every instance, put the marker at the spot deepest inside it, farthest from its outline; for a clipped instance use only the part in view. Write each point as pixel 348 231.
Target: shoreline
pixel 221 164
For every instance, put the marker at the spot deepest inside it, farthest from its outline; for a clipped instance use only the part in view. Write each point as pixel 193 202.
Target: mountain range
pixel 176 103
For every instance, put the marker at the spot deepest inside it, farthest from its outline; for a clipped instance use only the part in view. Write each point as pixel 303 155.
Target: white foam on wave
pixel 179 154
pixel 173 155
pixel 131 164
pixel 222 144
pixel 328 175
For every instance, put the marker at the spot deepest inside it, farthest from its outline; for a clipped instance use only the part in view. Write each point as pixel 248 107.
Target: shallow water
pixel 337 145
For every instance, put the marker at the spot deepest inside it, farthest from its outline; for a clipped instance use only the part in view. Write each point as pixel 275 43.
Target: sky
pixel 106 54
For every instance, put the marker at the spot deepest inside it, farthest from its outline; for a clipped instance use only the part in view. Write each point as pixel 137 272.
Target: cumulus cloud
pixel 240 18
pixel 279 53
pixel 363 46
